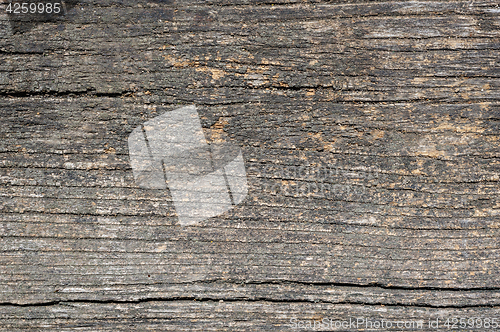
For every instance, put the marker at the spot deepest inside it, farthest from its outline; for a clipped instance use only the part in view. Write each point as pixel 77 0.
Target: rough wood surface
pixel 370 134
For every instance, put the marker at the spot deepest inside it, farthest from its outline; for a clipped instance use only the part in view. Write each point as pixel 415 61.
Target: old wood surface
pixel 397 101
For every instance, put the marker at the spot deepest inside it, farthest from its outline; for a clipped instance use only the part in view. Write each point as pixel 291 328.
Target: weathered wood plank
pixel 222 316
pixel 370 137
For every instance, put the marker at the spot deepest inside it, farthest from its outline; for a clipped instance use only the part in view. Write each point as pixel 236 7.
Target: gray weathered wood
pixel 399 102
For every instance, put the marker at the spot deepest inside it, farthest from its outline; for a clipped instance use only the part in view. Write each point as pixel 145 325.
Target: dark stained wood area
pixel 370 133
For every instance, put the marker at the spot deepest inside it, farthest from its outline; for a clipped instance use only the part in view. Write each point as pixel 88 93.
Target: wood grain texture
pixel 370 134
